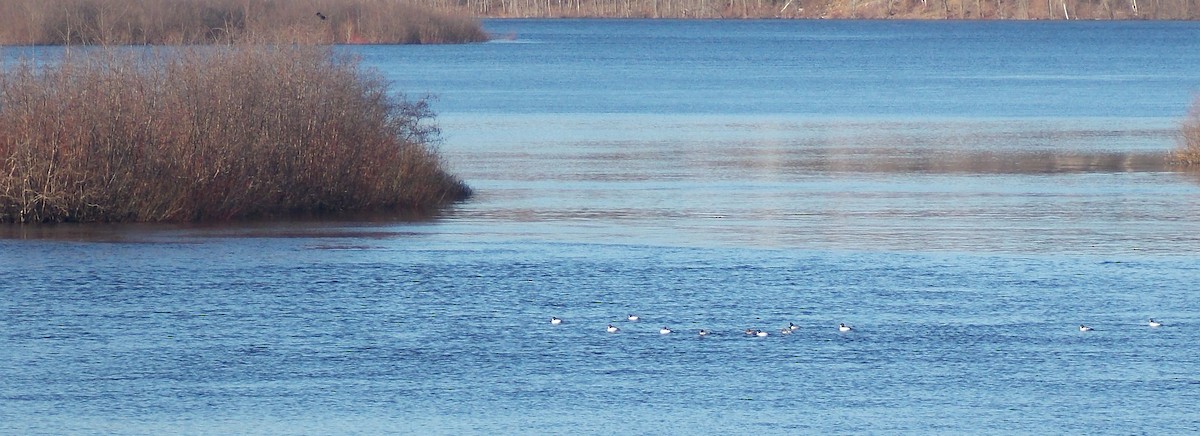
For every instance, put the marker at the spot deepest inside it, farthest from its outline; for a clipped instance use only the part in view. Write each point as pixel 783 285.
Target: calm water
pixel 964 194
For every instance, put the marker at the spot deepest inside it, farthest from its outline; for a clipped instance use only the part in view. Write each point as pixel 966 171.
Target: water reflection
pixel 354 227
pixel 77 232
pixel 778 181
pixel 1192 174
pixel 893 160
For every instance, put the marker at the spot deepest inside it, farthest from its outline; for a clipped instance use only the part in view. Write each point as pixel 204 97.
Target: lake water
pixel 966 194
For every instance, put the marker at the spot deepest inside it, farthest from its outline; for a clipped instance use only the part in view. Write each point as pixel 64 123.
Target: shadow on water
pixel 1190 174
pixel 80 232
pixel 356 226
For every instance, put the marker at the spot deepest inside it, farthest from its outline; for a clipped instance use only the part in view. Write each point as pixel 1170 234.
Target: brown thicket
pixel 921 9
pixel 1188 152
pixel 125 22
pixel 211 133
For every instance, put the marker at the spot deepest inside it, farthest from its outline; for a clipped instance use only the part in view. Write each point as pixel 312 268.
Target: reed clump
pixel 1188 152
pixel 132 22
pixel 211 133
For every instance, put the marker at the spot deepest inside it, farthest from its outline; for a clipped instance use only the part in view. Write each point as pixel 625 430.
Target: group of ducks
pixel 1152 323
pixel 791 327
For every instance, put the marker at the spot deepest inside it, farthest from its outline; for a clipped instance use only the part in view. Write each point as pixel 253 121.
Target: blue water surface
pixel 965 194
pixel 824 68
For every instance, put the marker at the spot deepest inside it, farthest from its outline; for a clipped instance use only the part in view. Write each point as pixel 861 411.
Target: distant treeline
pixel 867 9
pixel 211 133
pixel 124 22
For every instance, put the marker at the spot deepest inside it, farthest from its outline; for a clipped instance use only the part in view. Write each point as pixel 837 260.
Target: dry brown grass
pixel 1188 152
pixel 125 22
pixel 211 133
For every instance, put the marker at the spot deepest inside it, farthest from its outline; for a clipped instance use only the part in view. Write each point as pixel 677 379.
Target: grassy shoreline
pixel 1188 152
pixel 175 22
pixel 212 133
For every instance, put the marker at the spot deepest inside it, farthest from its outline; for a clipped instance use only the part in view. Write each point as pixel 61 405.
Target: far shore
pixel 190 22
pixel 836 9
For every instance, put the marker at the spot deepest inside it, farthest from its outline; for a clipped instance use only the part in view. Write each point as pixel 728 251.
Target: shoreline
pixel 1023 10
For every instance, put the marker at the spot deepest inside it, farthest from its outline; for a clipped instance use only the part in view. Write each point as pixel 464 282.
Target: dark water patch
pixel 934 161
pixel 1189 173
pixel 176 234
pixel 341 247
pixel 114 233
pixel 303 233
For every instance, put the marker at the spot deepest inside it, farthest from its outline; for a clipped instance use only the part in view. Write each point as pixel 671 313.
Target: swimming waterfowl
pixel 792 326
pixel 1084 328
pixel 785 331
pixel 1154 323
pixel 633 317
pixel 664 331
pixel 555 320
pixel 613 328
pixel 844 328
pixel 703 332
pixel 760 333
pixel 750 332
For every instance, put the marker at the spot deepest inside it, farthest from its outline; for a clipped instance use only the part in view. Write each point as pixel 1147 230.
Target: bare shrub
pixel 125 22
pixel 211 133
pixel 1188 152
